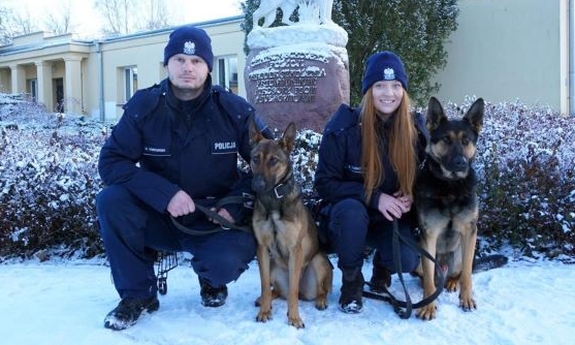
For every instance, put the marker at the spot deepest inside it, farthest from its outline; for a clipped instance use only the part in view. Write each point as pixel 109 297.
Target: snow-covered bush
pixel 49 179
pixel 48 167
pixel 526 163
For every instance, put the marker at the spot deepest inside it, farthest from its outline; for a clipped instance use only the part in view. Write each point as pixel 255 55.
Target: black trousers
pixel 128 227
pixel 351 227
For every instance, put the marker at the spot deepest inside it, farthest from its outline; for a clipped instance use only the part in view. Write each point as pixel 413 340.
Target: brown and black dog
pixel 446 202
pixel 288 251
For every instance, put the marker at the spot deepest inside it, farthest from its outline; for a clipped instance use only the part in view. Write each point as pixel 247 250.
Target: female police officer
pixel 367 164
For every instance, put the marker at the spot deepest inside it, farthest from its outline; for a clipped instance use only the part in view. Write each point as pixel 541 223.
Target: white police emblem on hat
pixel 388 74
pixel 189 48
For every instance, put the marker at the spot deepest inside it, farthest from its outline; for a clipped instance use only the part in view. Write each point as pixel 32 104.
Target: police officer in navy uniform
pixel 366 170
pixel 175 147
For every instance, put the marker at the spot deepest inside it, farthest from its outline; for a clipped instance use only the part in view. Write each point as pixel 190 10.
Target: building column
pixel 18 79
pixel 44 76
pixel 73 84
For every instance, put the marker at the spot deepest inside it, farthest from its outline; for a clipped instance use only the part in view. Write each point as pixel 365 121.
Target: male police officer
pixel 175 147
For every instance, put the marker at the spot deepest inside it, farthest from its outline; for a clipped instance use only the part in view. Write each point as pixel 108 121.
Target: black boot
pixel 380 279
pixel 350 301
pixel 128 312
pixel 212 296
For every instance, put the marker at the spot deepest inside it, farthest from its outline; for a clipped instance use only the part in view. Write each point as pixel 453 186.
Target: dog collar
pixel 284 188
pixel 422 164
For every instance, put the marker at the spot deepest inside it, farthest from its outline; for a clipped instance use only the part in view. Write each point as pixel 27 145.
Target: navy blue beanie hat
pixel 190 40
pixel 383 66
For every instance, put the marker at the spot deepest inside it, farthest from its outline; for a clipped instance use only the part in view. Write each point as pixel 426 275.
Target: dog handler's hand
pixel 393 207
pixel 181 204
pixel 405 199
pixel 224 213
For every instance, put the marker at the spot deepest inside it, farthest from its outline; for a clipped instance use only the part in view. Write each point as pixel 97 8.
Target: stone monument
pixel 298 72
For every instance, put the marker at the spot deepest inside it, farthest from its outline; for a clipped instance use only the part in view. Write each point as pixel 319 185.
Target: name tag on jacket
pixel 156 151
pixel 224 147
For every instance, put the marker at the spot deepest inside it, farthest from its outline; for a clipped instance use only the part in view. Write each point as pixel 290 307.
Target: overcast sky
pixel 87 21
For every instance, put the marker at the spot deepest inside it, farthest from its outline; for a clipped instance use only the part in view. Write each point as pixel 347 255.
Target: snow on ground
pixel 65 303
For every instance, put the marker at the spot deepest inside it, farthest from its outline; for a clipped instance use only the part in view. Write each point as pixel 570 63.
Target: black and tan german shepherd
pixel 446 202
pixel 288 251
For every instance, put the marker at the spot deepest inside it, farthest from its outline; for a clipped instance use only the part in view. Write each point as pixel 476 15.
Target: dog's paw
pixel 451 284
pixel 296 322
pixel 427 312
pixel 321 303
pixel 467 304
pixel 264 316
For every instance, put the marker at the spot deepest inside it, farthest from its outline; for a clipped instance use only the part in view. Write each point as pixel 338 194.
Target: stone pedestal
pixel 297 73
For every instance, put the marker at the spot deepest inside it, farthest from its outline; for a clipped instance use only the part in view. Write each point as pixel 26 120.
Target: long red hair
pixel 402 143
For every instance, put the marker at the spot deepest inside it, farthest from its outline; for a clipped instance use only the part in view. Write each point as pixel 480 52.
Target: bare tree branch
pixel 60 22
pixel 23 23
pixel 6 32
pixel 156 15
pixel 127 16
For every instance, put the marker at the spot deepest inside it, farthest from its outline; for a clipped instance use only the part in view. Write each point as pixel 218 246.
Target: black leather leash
pixel 278 192
pixel 225 225
pixel 404 308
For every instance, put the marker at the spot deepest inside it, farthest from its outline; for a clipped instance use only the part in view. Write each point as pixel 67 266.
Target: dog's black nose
pixel 258 183
pixel 459 164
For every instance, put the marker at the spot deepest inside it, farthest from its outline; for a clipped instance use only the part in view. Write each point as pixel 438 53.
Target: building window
pixel 130 82
pixel 33 88
pixel 226 72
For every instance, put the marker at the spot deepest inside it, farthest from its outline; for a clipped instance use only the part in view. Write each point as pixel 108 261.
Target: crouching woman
pixel 368 161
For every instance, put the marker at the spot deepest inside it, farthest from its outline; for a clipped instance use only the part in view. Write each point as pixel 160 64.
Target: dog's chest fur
pixel 276 230
pixel 439 201
pixel 447 196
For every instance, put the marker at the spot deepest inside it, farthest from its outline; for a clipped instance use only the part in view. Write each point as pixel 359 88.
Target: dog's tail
pixel 489 262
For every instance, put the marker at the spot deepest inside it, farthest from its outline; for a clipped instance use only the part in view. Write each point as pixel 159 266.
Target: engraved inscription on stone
pixel 292 78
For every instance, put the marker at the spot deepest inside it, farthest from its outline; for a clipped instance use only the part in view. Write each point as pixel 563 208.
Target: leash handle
pixel 225 225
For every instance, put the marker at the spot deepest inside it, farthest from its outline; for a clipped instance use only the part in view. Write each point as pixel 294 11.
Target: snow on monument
pixel 298 72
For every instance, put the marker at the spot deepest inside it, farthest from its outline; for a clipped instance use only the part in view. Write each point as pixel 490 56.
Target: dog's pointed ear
pixel 288 138
pixel 475 115
pixel 255 133
pixel 435 114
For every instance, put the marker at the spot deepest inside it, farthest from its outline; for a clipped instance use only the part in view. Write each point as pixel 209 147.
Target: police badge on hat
pixel 388 74
pixel 189 48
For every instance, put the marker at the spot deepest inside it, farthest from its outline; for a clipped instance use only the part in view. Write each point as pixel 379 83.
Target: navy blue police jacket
pixel 338 174
pixel 161 145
